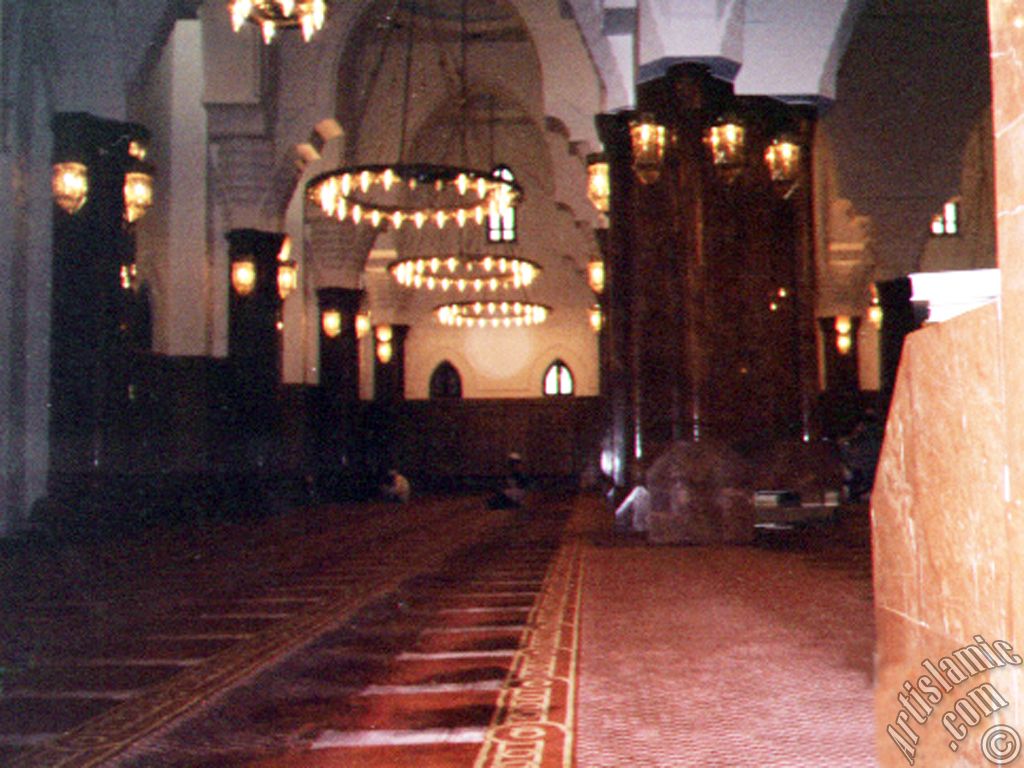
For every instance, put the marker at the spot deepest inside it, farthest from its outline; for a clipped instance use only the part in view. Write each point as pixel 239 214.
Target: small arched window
pixel 445 382
pixel 558 379
pixel 501 227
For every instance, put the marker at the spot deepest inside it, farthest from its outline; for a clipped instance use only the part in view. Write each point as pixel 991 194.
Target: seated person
pixel 513 492
pixel 397 487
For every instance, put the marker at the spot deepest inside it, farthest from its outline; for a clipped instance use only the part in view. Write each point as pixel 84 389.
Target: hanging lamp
pixel 405 192
pixel 272 15
pixel 464 272
pixel 491 314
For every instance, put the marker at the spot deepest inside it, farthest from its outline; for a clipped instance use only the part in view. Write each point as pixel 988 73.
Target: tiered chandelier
pixel 491 314
pixel 464 272
pixel 414 193
pixel 405 192
pixel 272 15
pixel 450 200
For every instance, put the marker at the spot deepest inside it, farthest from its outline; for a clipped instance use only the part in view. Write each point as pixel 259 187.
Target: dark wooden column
pixel 337 428
pixel 841 368
pixel 254 345
pixel 618 336
pixel 389 377
pixel 710 277
pixel 339 355
pixel 98 326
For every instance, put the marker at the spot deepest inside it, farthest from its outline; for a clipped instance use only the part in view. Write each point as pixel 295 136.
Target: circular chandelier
pixel 464 272
pixel 271 15
pixel 403 192
pixel 412 193
pixel 491 314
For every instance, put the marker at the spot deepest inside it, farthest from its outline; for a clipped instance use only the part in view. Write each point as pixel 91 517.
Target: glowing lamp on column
pixel 70 184
pixel 844 341
pixel 243 275
pixel 596 318
pixel 875 312
pixel 287 270
pixel 726 143
pixel 596 275
pixel 362 323
pixel 599 189
pixel 384 348
pixel 330 321
pixel 648 139
pixel 782 158
pixel 138 194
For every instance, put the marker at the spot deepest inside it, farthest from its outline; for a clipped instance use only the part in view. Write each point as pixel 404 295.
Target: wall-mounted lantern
pixel 596 275
pixel 844 341
pixel 648 140
pixel 726 142
pixel 362 324
pixel 243 275
pixel 599 187
pixel 384 349
pixel 330 321
pixel 287 270
pixel 70 183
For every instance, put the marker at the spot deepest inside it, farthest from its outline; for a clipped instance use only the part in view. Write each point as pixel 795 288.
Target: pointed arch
pixel 445 382
pixel 558 380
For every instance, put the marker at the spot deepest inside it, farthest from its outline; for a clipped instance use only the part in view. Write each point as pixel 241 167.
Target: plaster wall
pixel 26 208
pixel 172 238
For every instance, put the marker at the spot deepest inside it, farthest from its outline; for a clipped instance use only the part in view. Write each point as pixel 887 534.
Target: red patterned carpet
pixel 436 634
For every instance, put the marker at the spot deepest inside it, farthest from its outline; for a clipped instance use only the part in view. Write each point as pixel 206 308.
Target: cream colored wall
pixel 975 245
pixel 555 217
pixel 172 237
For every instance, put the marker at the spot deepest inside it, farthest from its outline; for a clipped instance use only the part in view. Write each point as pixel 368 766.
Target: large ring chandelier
pixel 491 314
pixel 271 15
pixel 412 193
pixel 464 272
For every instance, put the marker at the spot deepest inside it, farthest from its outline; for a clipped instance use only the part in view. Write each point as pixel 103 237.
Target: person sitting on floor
pixel 397 488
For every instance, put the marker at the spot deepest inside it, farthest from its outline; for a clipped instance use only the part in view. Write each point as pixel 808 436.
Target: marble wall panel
pixel 947 512
pixel 943 562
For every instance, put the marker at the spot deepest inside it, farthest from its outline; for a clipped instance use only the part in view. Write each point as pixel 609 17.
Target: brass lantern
pixel 648 140
pixel 844 341
pixel 330 321
pixel 138 194
pixel 362 324
pixel 726 141
pixel 70 185
pixel 384 348
pixel 599 187
pixel 596 275
pixel 287 270
pixel 243 275
pixel 782 157
pixel 875 315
